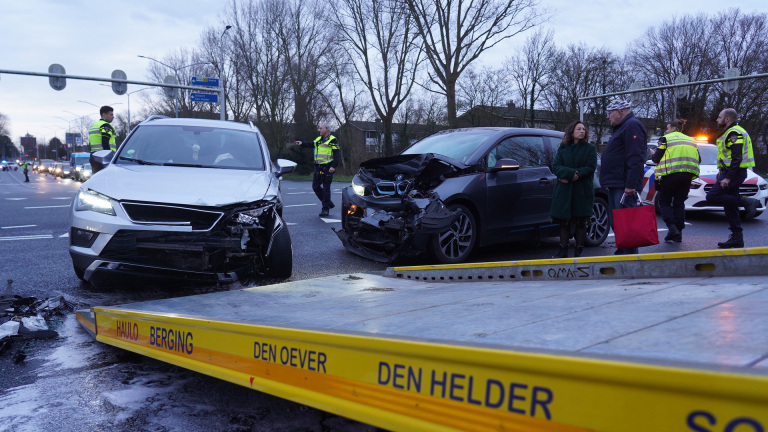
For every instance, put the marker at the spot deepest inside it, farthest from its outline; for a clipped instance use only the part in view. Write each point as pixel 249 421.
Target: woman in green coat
pixel 574 194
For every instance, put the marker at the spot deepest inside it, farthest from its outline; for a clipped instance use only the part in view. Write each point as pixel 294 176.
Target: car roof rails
pixel 154 117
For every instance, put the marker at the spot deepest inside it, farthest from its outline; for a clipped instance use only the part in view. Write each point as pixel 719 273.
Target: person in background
pixel 25 168
pixel 574 194
pixel 326 158
pixel 623 159
pixel 734 156
pixel 102 134
pixel 677 159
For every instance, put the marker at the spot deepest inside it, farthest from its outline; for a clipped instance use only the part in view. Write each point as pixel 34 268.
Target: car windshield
pixel 80 160
pixel 708 154
pixel 458 145
pixel 185 145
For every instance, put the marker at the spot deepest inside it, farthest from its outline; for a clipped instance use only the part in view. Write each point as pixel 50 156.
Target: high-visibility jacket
pixel 680 155
pixel 324 149
pixel 741 136
pixel 98 132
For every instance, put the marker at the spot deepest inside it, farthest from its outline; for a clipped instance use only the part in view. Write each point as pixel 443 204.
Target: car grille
pixel 199 220
pixel 181 251
pixel 392 187
pixel 744 189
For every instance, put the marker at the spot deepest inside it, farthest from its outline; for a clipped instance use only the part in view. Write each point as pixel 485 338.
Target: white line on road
pixel 62 198
pixel 18 226
pixel 331 220
pixel 32 237
pixel 64 235
pixel 15 199
pixel 300 205
pixel 40 207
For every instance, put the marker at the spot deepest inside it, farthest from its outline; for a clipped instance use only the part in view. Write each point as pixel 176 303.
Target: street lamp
pixel 222 93
pixel 176 72
pixel 80 129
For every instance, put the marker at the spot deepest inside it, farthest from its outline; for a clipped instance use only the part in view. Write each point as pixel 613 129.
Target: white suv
pixel 181 198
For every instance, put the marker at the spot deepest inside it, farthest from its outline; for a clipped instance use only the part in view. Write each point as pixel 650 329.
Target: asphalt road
pixel 74 383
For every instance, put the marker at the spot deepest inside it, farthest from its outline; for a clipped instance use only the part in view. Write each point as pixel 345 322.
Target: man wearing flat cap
pixel 623 159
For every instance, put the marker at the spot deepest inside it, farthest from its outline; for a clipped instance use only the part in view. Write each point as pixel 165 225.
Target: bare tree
pixel 347 99
pixel 531 70
pixel 479 93
pixel 743 42
pixel 379 36
pixel 680 46
pixel 456 32
pixel 305 36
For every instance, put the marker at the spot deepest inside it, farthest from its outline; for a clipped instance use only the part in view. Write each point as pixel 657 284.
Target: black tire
pixel 599 224
pixel 280 258
pixel 656 204
pixel 454 245
pixel 80 273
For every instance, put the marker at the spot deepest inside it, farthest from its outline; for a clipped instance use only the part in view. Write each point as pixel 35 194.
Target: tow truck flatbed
pixel 570 344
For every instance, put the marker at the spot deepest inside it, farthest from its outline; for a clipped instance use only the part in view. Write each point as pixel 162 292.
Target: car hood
pixel 425 169
pixel 182 185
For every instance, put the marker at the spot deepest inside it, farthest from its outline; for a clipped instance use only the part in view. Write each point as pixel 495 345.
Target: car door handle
pixel 545 181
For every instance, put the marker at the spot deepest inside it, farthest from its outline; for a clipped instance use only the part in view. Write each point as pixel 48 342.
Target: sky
pixel 92 39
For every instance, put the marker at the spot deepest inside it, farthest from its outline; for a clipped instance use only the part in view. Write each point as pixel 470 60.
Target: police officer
pixel 25 168
pixel 677 159
pixel 102 134
pixel 734 156
pixel 326 158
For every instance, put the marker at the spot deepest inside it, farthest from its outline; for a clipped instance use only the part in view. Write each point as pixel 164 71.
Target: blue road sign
pixel 204 97
pixel 207 82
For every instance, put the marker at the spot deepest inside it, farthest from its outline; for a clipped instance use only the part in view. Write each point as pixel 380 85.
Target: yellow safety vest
pixel 724 149
pixel 324 149
pixel 95 137
pixel 680 155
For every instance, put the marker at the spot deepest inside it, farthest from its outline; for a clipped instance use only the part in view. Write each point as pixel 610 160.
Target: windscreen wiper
pixel 138 161
pixel 185 165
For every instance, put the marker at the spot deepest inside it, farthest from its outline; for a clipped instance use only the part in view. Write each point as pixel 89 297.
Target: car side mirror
pixel 285 166
pixel 100 159
pixel 505 164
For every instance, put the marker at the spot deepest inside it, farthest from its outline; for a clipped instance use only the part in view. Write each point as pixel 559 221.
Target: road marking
pixel 18 226
pixel 30 237
pixel 331 220
pixel 15 199
pixel 62 198
pixel 64 235
pixel 300 205
pixel 42 207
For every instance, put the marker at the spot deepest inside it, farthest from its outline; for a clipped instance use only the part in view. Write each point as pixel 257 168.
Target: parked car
pixel 456 190
pixel 754 186
pixel 77 160
pixel 183 198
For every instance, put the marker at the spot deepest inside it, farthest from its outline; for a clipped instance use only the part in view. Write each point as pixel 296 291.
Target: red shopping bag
pixel 635 227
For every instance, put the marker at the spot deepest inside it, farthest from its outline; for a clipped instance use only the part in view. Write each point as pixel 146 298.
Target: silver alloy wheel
pixel 599 223
pixel 455 244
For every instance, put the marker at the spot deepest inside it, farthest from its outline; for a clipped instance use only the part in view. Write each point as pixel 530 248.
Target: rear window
pixel 193 145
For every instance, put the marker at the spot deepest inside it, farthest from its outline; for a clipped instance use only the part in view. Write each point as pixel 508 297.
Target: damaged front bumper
pixel 391 228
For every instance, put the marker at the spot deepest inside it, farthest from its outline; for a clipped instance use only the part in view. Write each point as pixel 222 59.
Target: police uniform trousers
pixel 321 184
pixel 728 198
pixel 673 192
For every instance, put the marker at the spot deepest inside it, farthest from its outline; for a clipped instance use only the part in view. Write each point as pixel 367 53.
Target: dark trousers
pixel 614 202
pixel 673 192
pixel 728 198
pixel 26 176
pixel 321 184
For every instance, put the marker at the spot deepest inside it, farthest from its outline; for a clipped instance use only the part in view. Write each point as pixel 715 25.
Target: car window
pixel 528 150
pixel 459 145
pixel 708 154
pixel 198 145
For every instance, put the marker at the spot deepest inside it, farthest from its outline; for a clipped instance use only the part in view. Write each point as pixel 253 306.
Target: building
pixel 29 145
